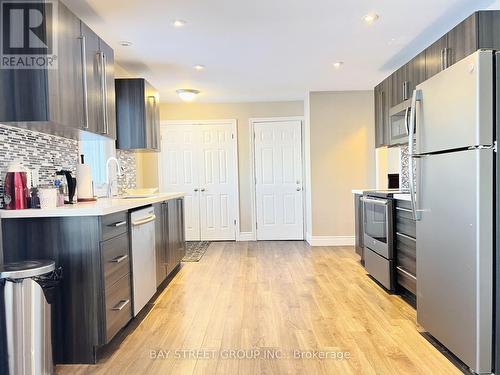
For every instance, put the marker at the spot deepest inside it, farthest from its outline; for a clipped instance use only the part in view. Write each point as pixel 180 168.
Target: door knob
pixel 202 190
pixel 299 189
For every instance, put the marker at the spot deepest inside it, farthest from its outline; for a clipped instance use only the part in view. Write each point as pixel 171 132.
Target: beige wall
pixel 342 152
pixel 242 112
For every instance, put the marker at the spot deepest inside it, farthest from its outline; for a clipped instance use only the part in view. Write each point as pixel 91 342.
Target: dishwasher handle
pixel 144 220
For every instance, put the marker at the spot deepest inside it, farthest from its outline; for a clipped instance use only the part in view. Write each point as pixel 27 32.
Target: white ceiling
pixel 259 50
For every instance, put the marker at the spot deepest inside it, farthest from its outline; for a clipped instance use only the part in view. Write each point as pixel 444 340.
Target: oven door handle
pixel 374 201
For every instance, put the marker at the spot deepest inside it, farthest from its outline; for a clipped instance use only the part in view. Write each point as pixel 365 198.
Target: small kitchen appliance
pixel 16 187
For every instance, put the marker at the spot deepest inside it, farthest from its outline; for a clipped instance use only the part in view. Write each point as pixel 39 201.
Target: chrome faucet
pixel 118 170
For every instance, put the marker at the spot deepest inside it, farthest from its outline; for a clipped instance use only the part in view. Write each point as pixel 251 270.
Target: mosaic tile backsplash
pixel 405 178
pixel 37 151
pixel 48 154
pixel 128 179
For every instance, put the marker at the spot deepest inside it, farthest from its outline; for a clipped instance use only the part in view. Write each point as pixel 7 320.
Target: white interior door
pixel 179 172
pixel 217 182
pixel 278 180
pixel 200 160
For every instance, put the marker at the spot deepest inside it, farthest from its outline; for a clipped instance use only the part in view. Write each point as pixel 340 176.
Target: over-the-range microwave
pixel 399 120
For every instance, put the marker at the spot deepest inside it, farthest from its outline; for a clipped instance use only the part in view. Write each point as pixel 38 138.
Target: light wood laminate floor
pixel 274 297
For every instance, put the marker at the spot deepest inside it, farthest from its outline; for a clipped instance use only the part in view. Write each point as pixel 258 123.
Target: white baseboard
pixel 330 240
pixel 246 236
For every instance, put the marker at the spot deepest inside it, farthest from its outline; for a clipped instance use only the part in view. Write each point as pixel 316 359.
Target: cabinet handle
pixel 119 259
pixel 400 269
pixel 153 121
pixel 121 305
pixel 84 79
pixel 404 209
pixel 118 224
pixel 196 190
pixel 104 96
pixel 406 236
pixel 203 190
pixel 144 220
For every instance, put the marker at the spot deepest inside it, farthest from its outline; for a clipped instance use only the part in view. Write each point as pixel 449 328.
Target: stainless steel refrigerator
pixel 453 197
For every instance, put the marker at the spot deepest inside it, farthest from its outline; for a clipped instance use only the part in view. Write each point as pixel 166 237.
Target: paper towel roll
pixel 84 181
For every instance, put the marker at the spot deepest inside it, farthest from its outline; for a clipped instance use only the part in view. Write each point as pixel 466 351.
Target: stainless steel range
pixel 378 222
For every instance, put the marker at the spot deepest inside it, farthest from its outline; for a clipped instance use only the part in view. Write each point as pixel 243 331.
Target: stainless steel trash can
pixel 28 321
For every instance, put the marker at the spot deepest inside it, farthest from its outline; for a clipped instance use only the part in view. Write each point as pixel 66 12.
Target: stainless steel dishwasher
pixel 143 257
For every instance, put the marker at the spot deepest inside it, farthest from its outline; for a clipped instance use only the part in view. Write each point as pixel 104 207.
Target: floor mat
pixel 195 250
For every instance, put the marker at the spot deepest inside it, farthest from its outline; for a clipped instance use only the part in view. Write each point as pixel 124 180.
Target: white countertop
pixel 103 206
pixel 360 191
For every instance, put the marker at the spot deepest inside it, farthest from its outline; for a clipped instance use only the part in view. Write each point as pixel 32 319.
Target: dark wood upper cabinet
pixel 99 84
pixel 382 99
pixel 137 115
pixel 481 30
pixel 48 98
pixel 462 40
pixel 94 121
pixel 416 73
pixel 66 99
pixel 108 88
pixel 434 57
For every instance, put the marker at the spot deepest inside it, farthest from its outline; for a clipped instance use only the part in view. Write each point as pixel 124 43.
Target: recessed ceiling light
pixel 178 23
pixel 199 67
pixel 338 64
pixel 187 95
pixel 125 43
pixel 370 18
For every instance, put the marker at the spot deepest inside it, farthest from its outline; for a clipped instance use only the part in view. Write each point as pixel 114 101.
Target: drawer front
pixel 118 306
pixel 406 279
pixel 113 225
pixel 406 253
pixel 405 225
pixel 380 268
pixel 403 204
pixel 115 257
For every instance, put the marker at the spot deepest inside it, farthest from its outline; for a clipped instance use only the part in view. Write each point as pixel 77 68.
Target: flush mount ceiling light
pixel 199 67
pixel 178 23
pixel 125 43
pixel 187 95
pixel 338 64
pixel 370 18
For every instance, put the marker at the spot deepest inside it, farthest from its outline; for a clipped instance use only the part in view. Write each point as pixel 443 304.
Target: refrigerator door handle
pixel 417 96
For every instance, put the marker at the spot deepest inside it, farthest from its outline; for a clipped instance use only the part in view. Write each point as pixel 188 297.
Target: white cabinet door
pixel 179 163
pixel 278 174
pixel 217 182
pixel 200 160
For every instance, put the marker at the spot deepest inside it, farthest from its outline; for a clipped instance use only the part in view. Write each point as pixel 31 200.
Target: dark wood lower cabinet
pixel 170 248
pixel 94 298
pixel 406 247
pixel 74 244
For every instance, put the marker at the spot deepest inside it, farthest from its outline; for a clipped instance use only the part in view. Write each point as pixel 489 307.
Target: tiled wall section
pixel 127 160
pixel 405 184
pixel 37 151
pixel 49 154
pixel 405 179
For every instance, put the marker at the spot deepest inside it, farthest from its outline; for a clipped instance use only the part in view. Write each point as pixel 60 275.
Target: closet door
pixel 217 182
pixel 179 171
